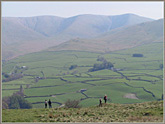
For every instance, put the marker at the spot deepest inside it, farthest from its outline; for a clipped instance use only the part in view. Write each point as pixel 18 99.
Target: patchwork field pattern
pixel 48 76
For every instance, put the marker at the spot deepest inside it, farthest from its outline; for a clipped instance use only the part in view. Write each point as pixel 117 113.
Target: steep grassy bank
pixel 140 112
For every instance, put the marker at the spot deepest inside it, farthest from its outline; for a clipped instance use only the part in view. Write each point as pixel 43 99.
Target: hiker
pixel 100 105
pixel 105 98
pixel 46 103
pixel 50 104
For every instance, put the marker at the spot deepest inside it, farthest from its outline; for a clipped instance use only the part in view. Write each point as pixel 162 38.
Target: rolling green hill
pixel 48 76
pixel 143 112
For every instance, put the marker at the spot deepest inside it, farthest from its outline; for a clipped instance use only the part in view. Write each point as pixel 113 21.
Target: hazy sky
pixel 67 9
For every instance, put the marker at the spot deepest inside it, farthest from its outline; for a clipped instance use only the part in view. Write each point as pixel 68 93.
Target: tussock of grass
pixel 140 112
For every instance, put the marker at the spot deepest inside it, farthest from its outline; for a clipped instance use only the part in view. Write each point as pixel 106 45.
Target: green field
pixel 49 77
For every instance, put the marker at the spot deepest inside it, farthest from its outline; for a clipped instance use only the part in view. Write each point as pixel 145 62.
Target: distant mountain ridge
pixel 41 32
pixel 53 25
pixel 117 39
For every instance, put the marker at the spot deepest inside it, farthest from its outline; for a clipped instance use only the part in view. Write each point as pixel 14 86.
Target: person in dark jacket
pixel 100 105
pixel 105 98
pixel 46 103
pixel 50 104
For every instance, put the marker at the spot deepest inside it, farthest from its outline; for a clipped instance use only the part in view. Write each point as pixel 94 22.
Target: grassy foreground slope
pixel 139 112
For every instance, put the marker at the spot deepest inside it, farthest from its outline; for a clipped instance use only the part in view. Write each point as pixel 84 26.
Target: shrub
pixel 6 75
pixel 137 55
pixel 100 58
pixel 72 103
pixel 72 67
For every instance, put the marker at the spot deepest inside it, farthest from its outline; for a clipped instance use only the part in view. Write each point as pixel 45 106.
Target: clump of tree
pixel 12 77
pixel 99 58
pixel 5 102
pixel 72 104
pixel 5 75
pixel 16 74
pixel 72 67
pixel 16 101
pixel 104 65
pixel 19 69
pixel 137 55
